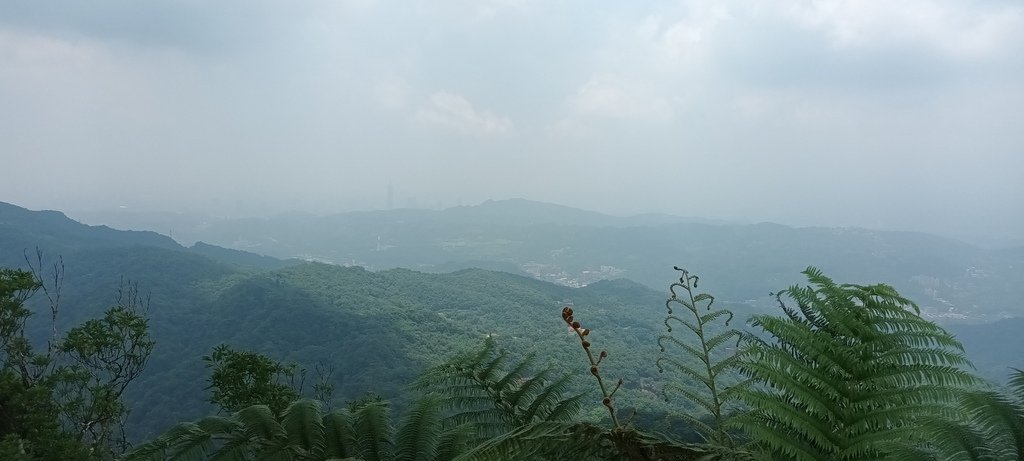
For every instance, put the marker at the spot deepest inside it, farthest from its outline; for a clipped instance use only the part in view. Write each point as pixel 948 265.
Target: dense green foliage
pixel 844 374
pixel 66 402
pixel 495 396
pixel 989 426
pixel 477 406
pixel 239 379
pixel 847 371
pixel 303 431
pixel 30 425
pixel 378 330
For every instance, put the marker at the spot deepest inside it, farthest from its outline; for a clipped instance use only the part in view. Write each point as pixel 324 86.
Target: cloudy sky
pixel 905 115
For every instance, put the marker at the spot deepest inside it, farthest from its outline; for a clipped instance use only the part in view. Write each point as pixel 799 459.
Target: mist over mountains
pixel 741 262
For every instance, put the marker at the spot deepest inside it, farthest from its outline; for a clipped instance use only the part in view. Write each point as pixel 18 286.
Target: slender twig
pixel 595 370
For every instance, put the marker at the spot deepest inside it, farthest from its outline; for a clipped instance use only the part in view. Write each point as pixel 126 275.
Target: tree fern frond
pixel 495 394
pixel 685 370
pixel 516 372
pixel 730 393
pixel 549 398
pixel 849 374
pixel 527 388
pixel 234 449
pixel 703 429
pixel 703 358
pixel 811 429
pixel 185 442
pixel 189 445
pixel 772 439
pixel 694 328
pixel 812 387
pixel 728 336
pixel 217 424
pixel 339 435
pixel 911 373
pixel 715 315
pixel 998 419
pixel 731 362
pixel 529 441
pixel 259 421
pixel 304 425
pixel 673 341
pixel 1016 384
pixel 486 372
pixel 420 434
pixel 488 419
pixel 454 441
pixel 693 396
pixel 303 433
pixel 566 409
pixel 372 431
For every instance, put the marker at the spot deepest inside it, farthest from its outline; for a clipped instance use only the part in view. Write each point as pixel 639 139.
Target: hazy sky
pixel 879 113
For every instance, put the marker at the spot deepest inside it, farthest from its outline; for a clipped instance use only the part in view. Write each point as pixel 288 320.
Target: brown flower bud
pixel 575 324
pixel 607 401
pixel 586 331
pixel 604 354
pixel 586 344
pixel 593 371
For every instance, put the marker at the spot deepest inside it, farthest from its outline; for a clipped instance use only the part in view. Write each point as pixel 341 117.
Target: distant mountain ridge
pixel 951 280
pixel 517 211
pixel 741 262
pixel 55 231
pixel 56 225
pixel 510 212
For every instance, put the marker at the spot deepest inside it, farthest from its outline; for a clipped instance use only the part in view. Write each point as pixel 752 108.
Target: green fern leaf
pixel 420 434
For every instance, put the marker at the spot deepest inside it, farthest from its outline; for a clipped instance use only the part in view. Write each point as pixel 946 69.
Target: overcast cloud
pixel 906 115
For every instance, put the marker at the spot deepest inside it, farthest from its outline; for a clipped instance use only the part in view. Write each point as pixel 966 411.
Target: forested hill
pixel 378 330
pixel 948 278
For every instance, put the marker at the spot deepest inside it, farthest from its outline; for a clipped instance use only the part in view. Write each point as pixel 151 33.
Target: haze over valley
pixel 951 280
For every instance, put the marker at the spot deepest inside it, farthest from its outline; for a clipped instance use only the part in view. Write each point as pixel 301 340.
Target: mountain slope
pixel 19 226
pixel 377 329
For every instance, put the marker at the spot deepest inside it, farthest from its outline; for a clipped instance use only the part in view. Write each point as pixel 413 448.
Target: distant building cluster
pixel 555 274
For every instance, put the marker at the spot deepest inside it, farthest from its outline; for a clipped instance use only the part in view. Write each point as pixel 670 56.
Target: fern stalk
pixel 595 369
pixel 712 373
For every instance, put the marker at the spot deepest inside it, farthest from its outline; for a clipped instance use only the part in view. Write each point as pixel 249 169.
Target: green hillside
pixel 381 329
pixel 378 329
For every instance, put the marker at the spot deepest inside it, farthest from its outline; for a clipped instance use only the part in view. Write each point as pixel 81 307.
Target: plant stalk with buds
pixel 595 364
